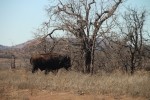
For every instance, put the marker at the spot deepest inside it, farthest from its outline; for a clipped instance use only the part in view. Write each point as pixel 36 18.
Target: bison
pixel 50 62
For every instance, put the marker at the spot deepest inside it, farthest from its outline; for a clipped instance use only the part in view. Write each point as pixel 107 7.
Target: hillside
pixel 2 47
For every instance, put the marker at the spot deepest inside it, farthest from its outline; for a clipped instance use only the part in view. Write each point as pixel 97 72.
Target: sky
pixel 20 18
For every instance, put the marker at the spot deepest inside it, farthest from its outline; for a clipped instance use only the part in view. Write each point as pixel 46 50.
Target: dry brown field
pixel 21 84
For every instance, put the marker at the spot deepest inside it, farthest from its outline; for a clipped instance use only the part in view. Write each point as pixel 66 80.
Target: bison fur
pixel 50 62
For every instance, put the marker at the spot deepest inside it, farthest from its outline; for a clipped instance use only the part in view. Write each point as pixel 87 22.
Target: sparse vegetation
pixel 102 83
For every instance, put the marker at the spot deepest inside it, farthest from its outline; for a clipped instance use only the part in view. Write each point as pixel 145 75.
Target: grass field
pixel 116 84
pixel 21 84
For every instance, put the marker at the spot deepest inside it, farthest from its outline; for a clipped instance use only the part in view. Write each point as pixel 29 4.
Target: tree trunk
pixel 87 61
pixel 132 64
pixel 92 46
pixel 86 47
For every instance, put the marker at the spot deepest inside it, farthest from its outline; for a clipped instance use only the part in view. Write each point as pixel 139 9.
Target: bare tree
pixel 84 19
pixel 133 31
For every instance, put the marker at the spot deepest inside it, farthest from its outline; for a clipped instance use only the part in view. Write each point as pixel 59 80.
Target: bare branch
pixel 101 18
pixel 50 34
pixel 64 9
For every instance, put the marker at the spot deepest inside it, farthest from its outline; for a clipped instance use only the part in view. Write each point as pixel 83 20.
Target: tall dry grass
pixel 102 83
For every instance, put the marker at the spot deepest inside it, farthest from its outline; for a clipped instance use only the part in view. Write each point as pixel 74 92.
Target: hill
pixel 2 47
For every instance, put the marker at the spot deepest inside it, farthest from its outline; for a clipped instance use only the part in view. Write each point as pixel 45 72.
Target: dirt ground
pixel 73 96
pixel 53 95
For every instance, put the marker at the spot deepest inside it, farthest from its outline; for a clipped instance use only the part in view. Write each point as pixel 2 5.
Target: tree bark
pixel 86 55
pixel 87 61
pixel 132 64
pixel 92 55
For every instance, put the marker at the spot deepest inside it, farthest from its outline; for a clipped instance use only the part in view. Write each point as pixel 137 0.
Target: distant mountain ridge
pixel 34 42
pixel 2 47
pixel 26 44
pixel 20 46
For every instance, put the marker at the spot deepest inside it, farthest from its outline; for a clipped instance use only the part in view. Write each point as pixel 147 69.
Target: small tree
pixel 133 31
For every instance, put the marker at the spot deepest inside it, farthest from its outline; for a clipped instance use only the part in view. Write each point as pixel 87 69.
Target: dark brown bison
pixel 50 62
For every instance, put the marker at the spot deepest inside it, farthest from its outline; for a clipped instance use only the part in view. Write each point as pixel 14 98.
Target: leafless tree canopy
pixel 133 32
pixel 84 19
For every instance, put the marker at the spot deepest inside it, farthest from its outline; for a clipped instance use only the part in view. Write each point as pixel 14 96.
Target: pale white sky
pixel 19 18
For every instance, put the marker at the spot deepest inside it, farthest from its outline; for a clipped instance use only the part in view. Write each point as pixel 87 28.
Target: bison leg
pixel 67 68
pixel 34 69
pixel 55 71
pixel 46 71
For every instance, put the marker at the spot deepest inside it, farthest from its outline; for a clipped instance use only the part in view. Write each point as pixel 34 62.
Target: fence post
pixel 13 65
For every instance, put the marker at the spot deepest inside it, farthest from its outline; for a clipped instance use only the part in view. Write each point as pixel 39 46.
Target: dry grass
pixel 137 85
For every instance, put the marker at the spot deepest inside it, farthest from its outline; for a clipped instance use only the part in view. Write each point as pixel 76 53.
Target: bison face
pixel 64 61
pixel 67 63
